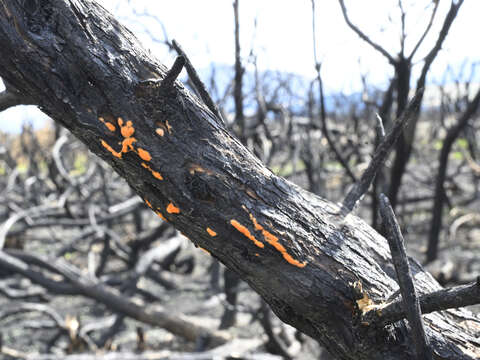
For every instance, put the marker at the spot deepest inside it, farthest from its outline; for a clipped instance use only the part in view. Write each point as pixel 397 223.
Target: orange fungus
pixel 242 229
pixel 127 130
pixel 172 209
pixel 156 174
pixel 273 240
pixel 211 232
pixel 144 154
pixel 160 215
pixel 110 126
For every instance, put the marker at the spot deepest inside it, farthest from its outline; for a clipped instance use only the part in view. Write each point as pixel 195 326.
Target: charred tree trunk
pixel 308 262
pixel 439 197
pixel 405 143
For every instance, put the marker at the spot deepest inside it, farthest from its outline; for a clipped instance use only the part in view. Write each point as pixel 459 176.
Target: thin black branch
pixel 199 85
pixel 238 81
pixel 173 73
pixel 403 35
pixel 361 187
pixel 363 35
pixel 449 18
pixel 444 299
pixel 75 283
pixel 427 29
pixel 9 99
pixel 405 279
pixel 323 115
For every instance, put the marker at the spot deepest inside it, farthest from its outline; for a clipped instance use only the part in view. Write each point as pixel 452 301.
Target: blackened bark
pixel 403 147
pixel 85 70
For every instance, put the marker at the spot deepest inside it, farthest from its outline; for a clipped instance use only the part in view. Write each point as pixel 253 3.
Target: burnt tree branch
pixel 84 69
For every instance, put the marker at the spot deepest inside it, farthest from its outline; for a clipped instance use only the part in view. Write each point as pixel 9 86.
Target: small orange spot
pixel 120 121
pixel 246 233
pixel 127 130
pixel 156 174
pixel 211 232
pixel 144 155
pixel 148 203
pixel 160 131
pixel 127 143
pixel 160 215
pixel 109 148
pixel 172 209
pixel 257 254
pixel 110 126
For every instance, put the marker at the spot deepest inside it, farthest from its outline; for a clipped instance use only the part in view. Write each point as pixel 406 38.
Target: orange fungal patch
pixel 110 126
pixel 160 131
pixel 144 154
pixel 211 232
pixel 156 174
pixel 273 240
pixel 242 229
pixel 172 209
pixel 109 148
pixel 126 130
pixel 128 143
pixel 159 214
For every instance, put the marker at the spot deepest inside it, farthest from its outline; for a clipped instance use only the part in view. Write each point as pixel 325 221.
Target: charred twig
pixel 405 280
pixel 173 73
pixel 10 99
pixel 199 85
pixel 361 187
pixel 75 283
pixel 238 81
pixel 273 338
pixel 169 79
pixel 323 115
pixel 443 299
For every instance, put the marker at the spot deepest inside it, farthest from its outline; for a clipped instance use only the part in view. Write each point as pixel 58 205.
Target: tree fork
pixel 85 70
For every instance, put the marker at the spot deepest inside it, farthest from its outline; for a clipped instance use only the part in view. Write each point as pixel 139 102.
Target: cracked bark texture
pixel 316 269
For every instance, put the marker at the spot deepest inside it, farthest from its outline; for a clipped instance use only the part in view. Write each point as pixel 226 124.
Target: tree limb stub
pixel 84 69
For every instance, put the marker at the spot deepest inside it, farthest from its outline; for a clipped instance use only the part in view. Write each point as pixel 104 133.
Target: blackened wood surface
pixel 317 271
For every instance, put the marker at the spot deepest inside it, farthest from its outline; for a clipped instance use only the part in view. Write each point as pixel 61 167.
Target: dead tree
pixel 439 199
pixel 402 64
pixel 320 270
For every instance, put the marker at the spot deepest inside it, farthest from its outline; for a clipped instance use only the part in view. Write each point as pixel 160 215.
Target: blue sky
pixel 282 37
